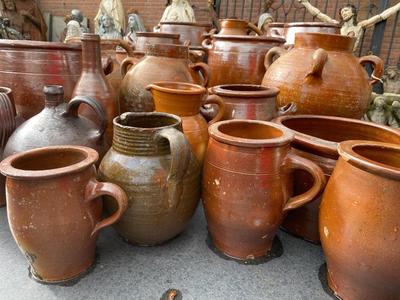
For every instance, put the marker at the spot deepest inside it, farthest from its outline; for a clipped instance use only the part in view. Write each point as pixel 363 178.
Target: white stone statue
pixel 114 9
pixel 74 25
pixel 264 20
pixel 107 30
pixel 394 119
pixel 179 11
pixel 135 24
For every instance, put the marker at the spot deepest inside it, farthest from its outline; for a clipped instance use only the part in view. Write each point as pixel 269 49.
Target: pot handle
pixel 254 28
pixel 215 99
pixel 287 109
pixel 377 64
pixel 319 59
pixel 127 47
pixel 127 63
pixel 73 106
pixel 180 160
pixel 204 70
pixel 207 43
pixel 269 57
pixel 294 162
pixel 95 189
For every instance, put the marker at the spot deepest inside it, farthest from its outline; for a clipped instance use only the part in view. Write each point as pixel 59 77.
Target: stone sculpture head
pixel 76 15
pixel 264 20
pixel 107 22
pixel 379 103
pixel 348 12
pixel 9 5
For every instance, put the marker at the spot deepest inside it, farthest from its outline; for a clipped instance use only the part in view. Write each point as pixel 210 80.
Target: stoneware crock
pixel 275 29
pixel 238 27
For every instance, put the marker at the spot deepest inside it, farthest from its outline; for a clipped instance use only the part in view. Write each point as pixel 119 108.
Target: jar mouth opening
pixel 244 90
pixel 147 121
pixel 177 87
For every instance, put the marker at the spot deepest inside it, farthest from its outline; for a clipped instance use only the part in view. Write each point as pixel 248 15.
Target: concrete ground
pixel 185 263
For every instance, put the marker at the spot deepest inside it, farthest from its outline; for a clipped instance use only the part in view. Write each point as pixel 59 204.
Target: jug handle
pixel 127 63
pixel 215 99
pixel 269 57
pixel 204 70
pixel 287 109
pixel 377 64
pixel 254 28
pixel 73 106
pixel 95 189
pixel 294 162
pixel 207 43
pixel 319 59
pixel 180 159
pixel 127 47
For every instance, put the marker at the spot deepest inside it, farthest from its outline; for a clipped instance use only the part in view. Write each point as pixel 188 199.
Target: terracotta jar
pixel 291 29
pixel 188 31
pixel 322 76
pixel 93 83
pixel 162 62
pixel 246 185
pixel 144 38
pixel 316 138
pixel 153 162
pixel 359 222
pixel 237 27
pixel 57 231
pixel 185 100
pixel 275 29
pixel 238 59
pixel 26 66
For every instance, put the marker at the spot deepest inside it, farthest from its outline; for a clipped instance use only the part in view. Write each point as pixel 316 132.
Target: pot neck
pixel 328 42
pixel 53 95
pixel 167 50
pixel 91 53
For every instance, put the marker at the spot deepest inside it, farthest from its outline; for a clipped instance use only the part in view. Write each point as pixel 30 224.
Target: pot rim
pixel 163 87
pixel 17 44
pixel 158 34
pixel 8 170
pixel 284 139
pixel 258 38
pixel 263 91
pixel 311 24
pixel 187 24
pixel 277 24
pixel 146 129
pixel 347 152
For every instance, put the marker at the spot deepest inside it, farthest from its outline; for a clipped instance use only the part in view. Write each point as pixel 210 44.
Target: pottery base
pixel 323 278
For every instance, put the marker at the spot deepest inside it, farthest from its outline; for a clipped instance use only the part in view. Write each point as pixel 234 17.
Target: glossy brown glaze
pixel 246 185
pixel 316 138
pixel 322 76
pixel 237 27
pixel 275 29
pixel 153 162
pixel 185 100
pixel 26 66
pixel 144 38
pixel 291 29
pixel 192 32
pixel 57 231
pixel 162 62
pixel 238 59
pixel 359 222
pixel 93 83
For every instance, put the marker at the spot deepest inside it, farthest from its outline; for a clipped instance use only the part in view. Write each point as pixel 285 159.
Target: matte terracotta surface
pixel 322 76
pixel 26 66
pixel 153 162
pixel 246 185
pixel 238 27
pixel 57 231
pixel 185 100
pixel 316 138
pixel 359 222
pixel 238 59
pixel 162 62
pixel 291 29
pixel 192 32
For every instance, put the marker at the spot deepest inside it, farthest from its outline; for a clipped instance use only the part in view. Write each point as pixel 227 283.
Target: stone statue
pixel 391 80
pixel 263 21
pixel 379 114
pixel 135 24
pixel 107 30
pixel 179 11
pixel 74 25
pixel 394 118
pixel 114 9
pixel 8 10
pixel 348 15
pixel 33 19
pixel 7 32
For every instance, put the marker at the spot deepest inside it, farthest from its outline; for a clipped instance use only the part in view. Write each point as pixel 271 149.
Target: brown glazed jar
pixel 188 31
pixel 153 162
pixel 316 138
pixel 322 76
pixel 246 185
pixel 185 100
pixel 275 29
pixel 238 59
pixel 291 29
pixel 359 222
pixel 237 27
pixel 54 209
pixel 26 66
pixel 144 38
pixel 162 62
pixel 93 83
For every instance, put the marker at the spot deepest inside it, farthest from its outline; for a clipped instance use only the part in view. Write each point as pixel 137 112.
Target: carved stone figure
pixel 33 19
pixel 348 16
pixel 8 10
pixel 135 24
pixel 74 25
pixel 391 80
pixel 179 11
pixel 380 113
pixel 264 20
pixel 114 9
pixel 7 32
pixel 394 118
pixel 107 30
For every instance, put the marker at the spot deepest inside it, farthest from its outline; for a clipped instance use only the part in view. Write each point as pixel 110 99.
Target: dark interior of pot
pixel 151 120
pixel 253 131
pixel 49 159
pixel 244 88
pixel 386 156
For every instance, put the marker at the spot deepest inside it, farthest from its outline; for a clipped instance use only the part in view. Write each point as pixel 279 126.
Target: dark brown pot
pixel 162 62
pixel 322 76
pixel 316 138
pixel 238 59
pixel 152 38
pixel 26 66
pixel 152 161
pixel 192 32
pixel 54 209
pixel 237 27
pixel 359 222
pixel 291 29
pixel 246 185
pixel 275 29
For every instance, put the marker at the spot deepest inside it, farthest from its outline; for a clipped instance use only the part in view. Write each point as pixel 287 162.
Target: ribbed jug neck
pixel 53 95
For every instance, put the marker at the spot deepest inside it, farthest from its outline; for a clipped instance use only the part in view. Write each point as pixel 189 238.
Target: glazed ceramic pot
pixel 291 29
pixel 162 62
pixel 185 100
pixel 57 231
pixel 93 83
pixel 26 66
pixel 275 29
pixel 238 59
pixel 237 27
pixel 188 31
pixel 153 162
pixel 144 38
pixel 322 76
pixel 316 138
pixel 246 185
pixel 359 222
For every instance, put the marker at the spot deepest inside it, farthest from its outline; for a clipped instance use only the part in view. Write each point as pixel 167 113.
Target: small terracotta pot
pixel 246 186
pixel 188 31
pixel 291 29
pixel 238 27
pixel 359 222
pixel 54 209
pixel 185 100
